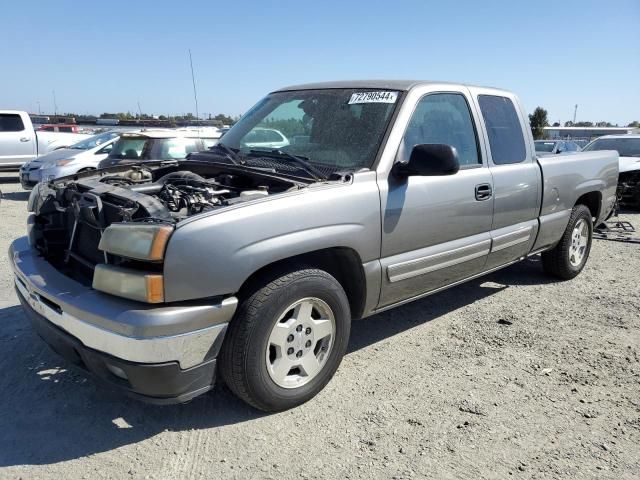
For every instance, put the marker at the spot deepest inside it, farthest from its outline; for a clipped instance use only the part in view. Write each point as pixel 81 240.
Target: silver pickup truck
pixel 253 260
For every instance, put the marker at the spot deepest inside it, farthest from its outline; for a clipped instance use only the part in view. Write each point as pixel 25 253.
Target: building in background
pixel 586 133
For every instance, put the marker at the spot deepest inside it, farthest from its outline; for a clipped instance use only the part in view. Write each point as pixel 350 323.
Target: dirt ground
pixel 509 376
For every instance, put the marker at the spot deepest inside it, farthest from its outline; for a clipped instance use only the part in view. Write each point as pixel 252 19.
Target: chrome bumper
pixel 128 330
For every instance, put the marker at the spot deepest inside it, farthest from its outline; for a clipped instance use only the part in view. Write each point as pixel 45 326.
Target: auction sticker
pixel 373 97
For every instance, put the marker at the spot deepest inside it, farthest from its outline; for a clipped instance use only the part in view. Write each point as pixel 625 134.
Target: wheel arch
pixel 343 263
pixel 593 201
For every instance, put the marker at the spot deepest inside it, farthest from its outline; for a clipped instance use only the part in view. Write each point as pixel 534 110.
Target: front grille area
pixel 68 236
pixel 70 220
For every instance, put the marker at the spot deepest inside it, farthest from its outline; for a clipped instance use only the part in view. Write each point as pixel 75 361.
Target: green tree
pixel 225 119
pixel 538 120
pixel 635 124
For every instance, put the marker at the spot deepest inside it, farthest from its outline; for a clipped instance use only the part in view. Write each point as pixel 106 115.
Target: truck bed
pixel 566 178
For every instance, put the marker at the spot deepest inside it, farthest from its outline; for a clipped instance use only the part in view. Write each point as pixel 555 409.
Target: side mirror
pixel 430 159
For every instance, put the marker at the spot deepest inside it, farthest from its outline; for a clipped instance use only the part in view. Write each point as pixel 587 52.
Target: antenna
pixel 55 105
pixel 193 79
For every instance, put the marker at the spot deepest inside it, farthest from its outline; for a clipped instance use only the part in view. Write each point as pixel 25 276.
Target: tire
pixel 559 261
pixel 249 359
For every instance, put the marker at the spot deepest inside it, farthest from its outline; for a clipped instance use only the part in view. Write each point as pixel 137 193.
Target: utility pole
pixel 575 111
pixel 39 112
pixel 193 80
pixel 55 105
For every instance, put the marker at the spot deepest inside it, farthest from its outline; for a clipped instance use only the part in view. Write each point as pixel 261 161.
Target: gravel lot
pixel 510 375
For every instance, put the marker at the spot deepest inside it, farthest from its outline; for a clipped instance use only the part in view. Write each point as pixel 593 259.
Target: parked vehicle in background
pixel 60 127
pixel 252 262
pixel 628 147
pixel 79 157
pixel 159 145
pixel 555 147
pixel 265 138
pixel 20 143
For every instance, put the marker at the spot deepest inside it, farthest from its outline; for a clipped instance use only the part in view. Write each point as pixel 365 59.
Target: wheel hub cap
pixel 579 243
pixel 300 342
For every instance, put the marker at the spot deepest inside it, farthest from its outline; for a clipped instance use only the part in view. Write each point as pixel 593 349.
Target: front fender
pixel 215 254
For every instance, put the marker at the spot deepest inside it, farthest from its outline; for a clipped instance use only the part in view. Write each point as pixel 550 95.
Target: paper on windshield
pixel 373 97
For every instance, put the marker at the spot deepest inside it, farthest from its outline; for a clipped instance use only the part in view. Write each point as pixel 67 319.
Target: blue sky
pixel 107 56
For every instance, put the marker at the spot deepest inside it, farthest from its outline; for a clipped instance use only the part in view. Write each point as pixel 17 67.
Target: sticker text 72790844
pixel 373 97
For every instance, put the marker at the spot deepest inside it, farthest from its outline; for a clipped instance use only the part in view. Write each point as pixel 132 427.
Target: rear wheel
pixel 567 259
pixel 287 340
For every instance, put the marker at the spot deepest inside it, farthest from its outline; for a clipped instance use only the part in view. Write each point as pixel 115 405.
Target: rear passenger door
pixel 435 229
pixel 516 176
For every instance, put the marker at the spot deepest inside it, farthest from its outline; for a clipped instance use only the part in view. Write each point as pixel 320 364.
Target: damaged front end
pixel 109 228
pixel 629 189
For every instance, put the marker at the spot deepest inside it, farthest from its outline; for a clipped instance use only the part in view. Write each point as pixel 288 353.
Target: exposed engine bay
pixel 162 193
pixel 72 212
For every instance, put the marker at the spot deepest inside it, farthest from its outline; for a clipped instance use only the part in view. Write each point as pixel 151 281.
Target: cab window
pixel 11 122
pixel 503 129
pixel 444 118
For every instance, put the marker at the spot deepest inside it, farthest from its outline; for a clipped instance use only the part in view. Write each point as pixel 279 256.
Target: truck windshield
pixel 332 129
pixel 626 147
pixel 544 146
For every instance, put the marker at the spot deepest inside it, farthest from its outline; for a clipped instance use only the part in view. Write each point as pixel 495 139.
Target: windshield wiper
pixel 302 161
pixel 230 154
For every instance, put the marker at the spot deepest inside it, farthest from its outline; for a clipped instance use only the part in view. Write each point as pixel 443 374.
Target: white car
pixel 159 144
pixel 265 138
pixel 628 147
pixel 82 156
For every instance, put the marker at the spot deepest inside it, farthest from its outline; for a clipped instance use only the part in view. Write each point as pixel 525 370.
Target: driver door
pixel 436 229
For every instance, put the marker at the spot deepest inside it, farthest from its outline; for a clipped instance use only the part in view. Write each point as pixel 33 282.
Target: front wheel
pixel 567 259
pixel 287 340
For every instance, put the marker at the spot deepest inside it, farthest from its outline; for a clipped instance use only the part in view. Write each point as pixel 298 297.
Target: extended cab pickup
pixel 19 142
pixel 253 261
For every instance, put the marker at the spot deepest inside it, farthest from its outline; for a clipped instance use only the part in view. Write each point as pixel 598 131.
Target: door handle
pixel 24 139
pixel 483 192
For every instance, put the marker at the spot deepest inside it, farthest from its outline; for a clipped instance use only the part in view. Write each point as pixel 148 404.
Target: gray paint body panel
pixel 232 244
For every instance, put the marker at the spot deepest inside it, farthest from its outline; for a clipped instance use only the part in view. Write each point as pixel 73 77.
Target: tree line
pixel 221 117
pixel 538 120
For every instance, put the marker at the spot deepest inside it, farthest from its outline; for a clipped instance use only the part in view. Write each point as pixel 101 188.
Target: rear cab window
pixel 504 130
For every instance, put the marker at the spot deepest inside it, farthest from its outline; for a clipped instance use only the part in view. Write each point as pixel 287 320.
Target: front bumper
pixel 176 344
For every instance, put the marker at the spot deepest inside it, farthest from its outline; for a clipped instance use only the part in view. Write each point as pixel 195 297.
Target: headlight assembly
pixel 140 241
pixel 66 161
